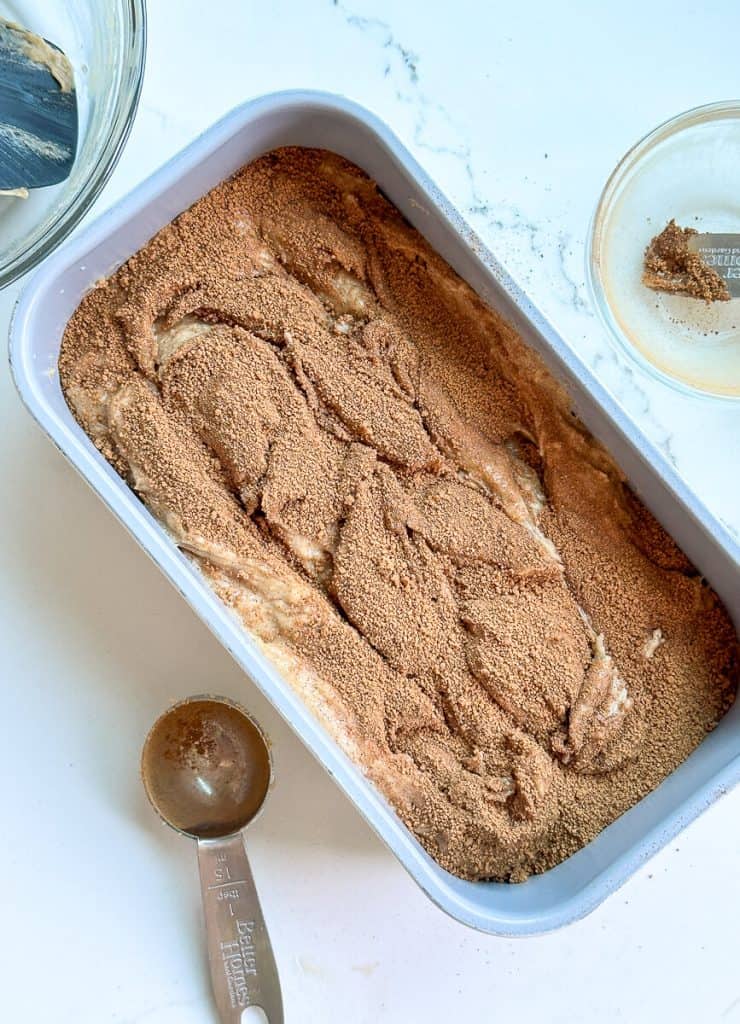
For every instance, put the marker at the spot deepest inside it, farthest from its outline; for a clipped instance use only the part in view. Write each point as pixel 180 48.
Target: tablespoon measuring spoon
pixel 206 769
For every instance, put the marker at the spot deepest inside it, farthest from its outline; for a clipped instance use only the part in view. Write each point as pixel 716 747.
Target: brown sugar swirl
pixel 382 481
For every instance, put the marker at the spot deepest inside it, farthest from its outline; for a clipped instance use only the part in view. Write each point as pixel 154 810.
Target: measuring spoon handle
pixel 243 971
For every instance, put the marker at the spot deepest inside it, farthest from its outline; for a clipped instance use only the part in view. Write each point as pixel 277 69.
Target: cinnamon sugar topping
pixel 671 266
pixel 384 483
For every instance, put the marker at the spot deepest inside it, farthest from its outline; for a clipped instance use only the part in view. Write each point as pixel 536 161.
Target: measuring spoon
pixel 206 769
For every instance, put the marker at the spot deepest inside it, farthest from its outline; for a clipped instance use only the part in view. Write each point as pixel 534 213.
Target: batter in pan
pixel 388 488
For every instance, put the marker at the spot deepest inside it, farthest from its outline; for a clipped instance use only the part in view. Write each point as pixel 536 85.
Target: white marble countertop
pixel 519 112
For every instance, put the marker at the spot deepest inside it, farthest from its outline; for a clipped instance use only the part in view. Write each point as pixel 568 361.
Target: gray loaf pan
pixel 576 886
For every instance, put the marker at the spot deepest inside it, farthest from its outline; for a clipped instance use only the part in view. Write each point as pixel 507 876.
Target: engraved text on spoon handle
pixel 243 970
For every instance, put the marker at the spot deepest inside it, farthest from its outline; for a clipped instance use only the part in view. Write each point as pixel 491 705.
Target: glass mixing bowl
pixel 685 169
pixel 105 41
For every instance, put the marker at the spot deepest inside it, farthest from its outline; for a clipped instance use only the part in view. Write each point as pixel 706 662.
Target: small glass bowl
pixel 687 170
pixel 105 41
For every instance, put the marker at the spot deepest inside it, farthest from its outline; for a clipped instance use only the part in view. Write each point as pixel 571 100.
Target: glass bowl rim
pixel 707 112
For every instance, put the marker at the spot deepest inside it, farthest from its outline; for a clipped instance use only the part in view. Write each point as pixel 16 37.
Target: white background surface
pixel 519 112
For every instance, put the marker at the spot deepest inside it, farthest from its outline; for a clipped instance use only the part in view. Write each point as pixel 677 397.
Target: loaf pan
pixel 580 883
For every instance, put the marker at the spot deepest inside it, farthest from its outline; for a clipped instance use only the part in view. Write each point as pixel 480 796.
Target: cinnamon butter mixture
pixel 371 468
pixel 671 266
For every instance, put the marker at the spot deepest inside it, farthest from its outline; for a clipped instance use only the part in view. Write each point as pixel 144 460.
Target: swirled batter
pixel 372 469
